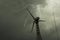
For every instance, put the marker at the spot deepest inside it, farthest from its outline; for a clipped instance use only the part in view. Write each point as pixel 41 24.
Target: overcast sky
pixel 16 23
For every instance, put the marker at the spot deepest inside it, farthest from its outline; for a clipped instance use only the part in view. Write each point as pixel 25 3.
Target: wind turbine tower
pixel 36 21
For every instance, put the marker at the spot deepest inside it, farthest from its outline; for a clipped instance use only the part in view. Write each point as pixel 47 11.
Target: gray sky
pixel 13 15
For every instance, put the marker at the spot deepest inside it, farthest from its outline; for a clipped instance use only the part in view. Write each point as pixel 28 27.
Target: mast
pixel 38 32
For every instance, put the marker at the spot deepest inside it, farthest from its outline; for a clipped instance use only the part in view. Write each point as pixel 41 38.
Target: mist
pixel 16 22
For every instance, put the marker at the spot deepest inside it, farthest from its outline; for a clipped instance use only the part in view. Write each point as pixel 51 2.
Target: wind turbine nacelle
pixel 37 18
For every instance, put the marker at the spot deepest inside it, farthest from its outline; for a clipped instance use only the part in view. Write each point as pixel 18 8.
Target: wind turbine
pixel 36 21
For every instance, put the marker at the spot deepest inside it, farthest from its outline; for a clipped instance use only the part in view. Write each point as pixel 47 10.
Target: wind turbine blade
pixel 41 20
pixel 30 14
pixel 32 27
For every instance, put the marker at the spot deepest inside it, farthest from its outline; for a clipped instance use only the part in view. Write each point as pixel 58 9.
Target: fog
pixel 16 22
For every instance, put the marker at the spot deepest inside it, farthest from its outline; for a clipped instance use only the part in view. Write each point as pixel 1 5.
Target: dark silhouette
pixel 36 21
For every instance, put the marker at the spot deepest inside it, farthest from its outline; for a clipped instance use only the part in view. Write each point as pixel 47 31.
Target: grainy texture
pixel 13 15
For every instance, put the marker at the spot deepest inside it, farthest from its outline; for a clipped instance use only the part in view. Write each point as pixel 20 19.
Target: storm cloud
pixel 13 14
